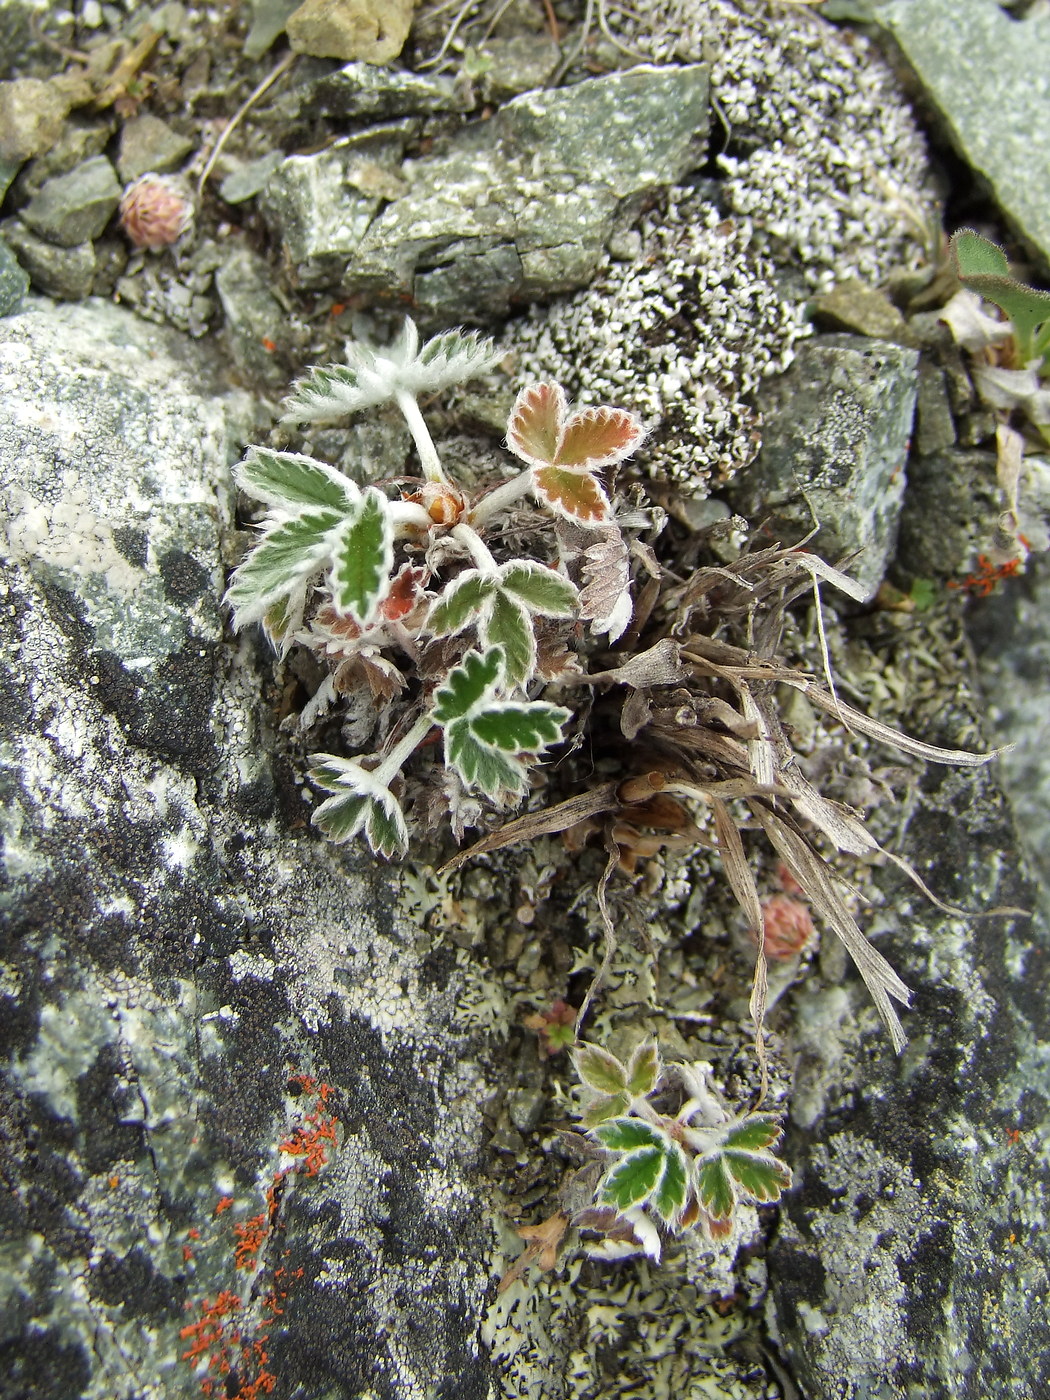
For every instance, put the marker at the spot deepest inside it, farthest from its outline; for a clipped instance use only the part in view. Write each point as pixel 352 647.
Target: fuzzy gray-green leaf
pixel 292 481
pixel 515 728
pixel 540 589
pixel 479 765
pixel 362 558
pixel 508 625
pixel 287 553
pixel 471 681
pixel 633 1179
pixel 460 603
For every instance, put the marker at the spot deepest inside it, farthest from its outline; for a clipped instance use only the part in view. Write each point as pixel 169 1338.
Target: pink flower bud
pixel 788 927
pixel 155 211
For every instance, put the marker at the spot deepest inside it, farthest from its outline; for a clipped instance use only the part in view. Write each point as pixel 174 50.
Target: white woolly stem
pixel 428 457
pixel 403 751
pixel 476 547
pixel 501 498
pixel 409 513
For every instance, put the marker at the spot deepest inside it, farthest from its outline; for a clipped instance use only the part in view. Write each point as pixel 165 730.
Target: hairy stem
pixel 476 547
pixel 403 750
pixel 501 498
pixel 428 457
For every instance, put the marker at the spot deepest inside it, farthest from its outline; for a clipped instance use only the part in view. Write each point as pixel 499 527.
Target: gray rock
pixel 14 281
pixel 31 117
pixel 934 422
pixel 147 143
pixel 516 64
pixel 253 315
pixel 834 444
pixel 986 75
pixel 247 180
pixel 951 504
pixel 374 30
pixel 321 205
pixel 177 943
pixel 912 1251
pixel 75 207
pixel 65 273
pixel 521 206
pixel 363 91
pixel 77 143
pixel 269 18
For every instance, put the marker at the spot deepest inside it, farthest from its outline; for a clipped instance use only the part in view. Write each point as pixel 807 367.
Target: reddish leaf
pixel 576 494
pixel 597 437
pixel 404 593
pixel 535 423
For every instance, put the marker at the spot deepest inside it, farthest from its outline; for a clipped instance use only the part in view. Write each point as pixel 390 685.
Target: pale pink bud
pixel 155 211
pixel 788 927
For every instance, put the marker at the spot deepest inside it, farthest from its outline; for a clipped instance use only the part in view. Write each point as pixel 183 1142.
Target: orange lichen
pixel 224 1204
pixel 980 583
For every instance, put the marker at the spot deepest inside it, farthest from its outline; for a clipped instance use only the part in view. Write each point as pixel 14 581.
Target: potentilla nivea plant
pixel 448 610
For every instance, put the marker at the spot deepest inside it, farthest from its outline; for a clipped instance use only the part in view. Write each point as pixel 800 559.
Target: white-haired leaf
pixel 542 590
pixel 450 358
pixel 287 553
pixel 507 625
pixel 291 481
pixel 362 557
pixel 460 603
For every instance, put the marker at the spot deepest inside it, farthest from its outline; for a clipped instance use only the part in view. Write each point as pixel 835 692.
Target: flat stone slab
pixel 987 77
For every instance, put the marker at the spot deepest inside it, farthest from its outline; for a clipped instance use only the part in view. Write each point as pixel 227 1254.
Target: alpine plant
pixel 439 614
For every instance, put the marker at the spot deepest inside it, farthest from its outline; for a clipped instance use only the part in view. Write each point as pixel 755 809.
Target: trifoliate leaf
pixel 461 601
pixel 597 437
pixel 627 1134
pixel 474 679
pixel 542 590
pixel 450 358
pixel 534 426
pixel 605 1108
pixel 385 828
pixel 507 625
pixel 669 1197
pixel 290 481
pixel 643 1070
pixel 526 728
pixel 759 1175
pixel 481 766
pixel 341 817
pixel 599 1070
pixel 577 495
pixel 362 557
pixel 753 1133
pixel 287 553
pixel 633 1179
pixel 714 1188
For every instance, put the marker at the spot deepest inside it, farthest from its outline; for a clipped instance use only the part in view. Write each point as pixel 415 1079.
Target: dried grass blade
pixel 815 878
pixel 552 819
pixel 761 751
pixel 875 729
pixel 608 928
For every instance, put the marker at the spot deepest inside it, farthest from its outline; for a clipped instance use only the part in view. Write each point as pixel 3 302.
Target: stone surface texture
pixel 986 74
pixel 74 208
pixel 176 946
pixel 835 441
pixel 373 30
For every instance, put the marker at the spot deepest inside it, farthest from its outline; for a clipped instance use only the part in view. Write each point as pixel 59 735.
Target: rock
pixel 986 76
pixel 21 22
pixel 65 273
pixel 14 281
pixel 247 180
pixel 254 316
pixel 31 116
pixel 269 18
pixel 911 1252
pixel 516 64
pixel 147 143
pixel 374 30
pixel 852 305
pixel 78 142
pixel 185 963
pixel 363 91
pixel 321 205
pixel 934 422
pixel 834 444
pixel 520 207
pixel 950 510
pixel 74 208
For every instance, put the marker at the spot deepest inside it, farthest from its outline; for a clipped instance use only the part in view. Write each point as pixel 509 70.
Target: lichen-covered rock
pixel 364 92
pixel 374 30
pixel 236 1121
pixel 911 1259
pixel 521 206
pixel 65 273
pixel 836 430
pixel 14 281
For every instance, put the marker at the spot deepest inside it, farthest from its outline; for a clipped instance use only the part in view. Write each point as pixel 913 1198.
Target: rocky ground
pixel 274 1111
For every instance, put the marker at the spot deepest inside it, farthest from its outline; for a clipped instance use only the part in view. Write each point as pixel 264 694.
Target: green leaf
pixel 976 255
pixel 761 1176
pixel 332 391
pixel 450 358
pixel 599 1070
pixel 508 625
pixel 714 1187
pixel 633 1179
pixel 669 1196
pixel 464 597
pixel 362 558
pixel 540 589
pixel 479 765
pixel 923 594
pixel 627 1134
pixel 342 817
pixel 515 728
pixel 643 1070
pixel 286 553
pixel 290 480
pixel 754 1133
pixel 472 681
pixel 385 828
pixel 330 772
pixel 601 1110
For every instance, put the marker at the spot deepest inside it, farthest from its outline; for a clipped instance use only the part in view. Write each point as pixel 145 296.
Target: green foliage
pixel 982 266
